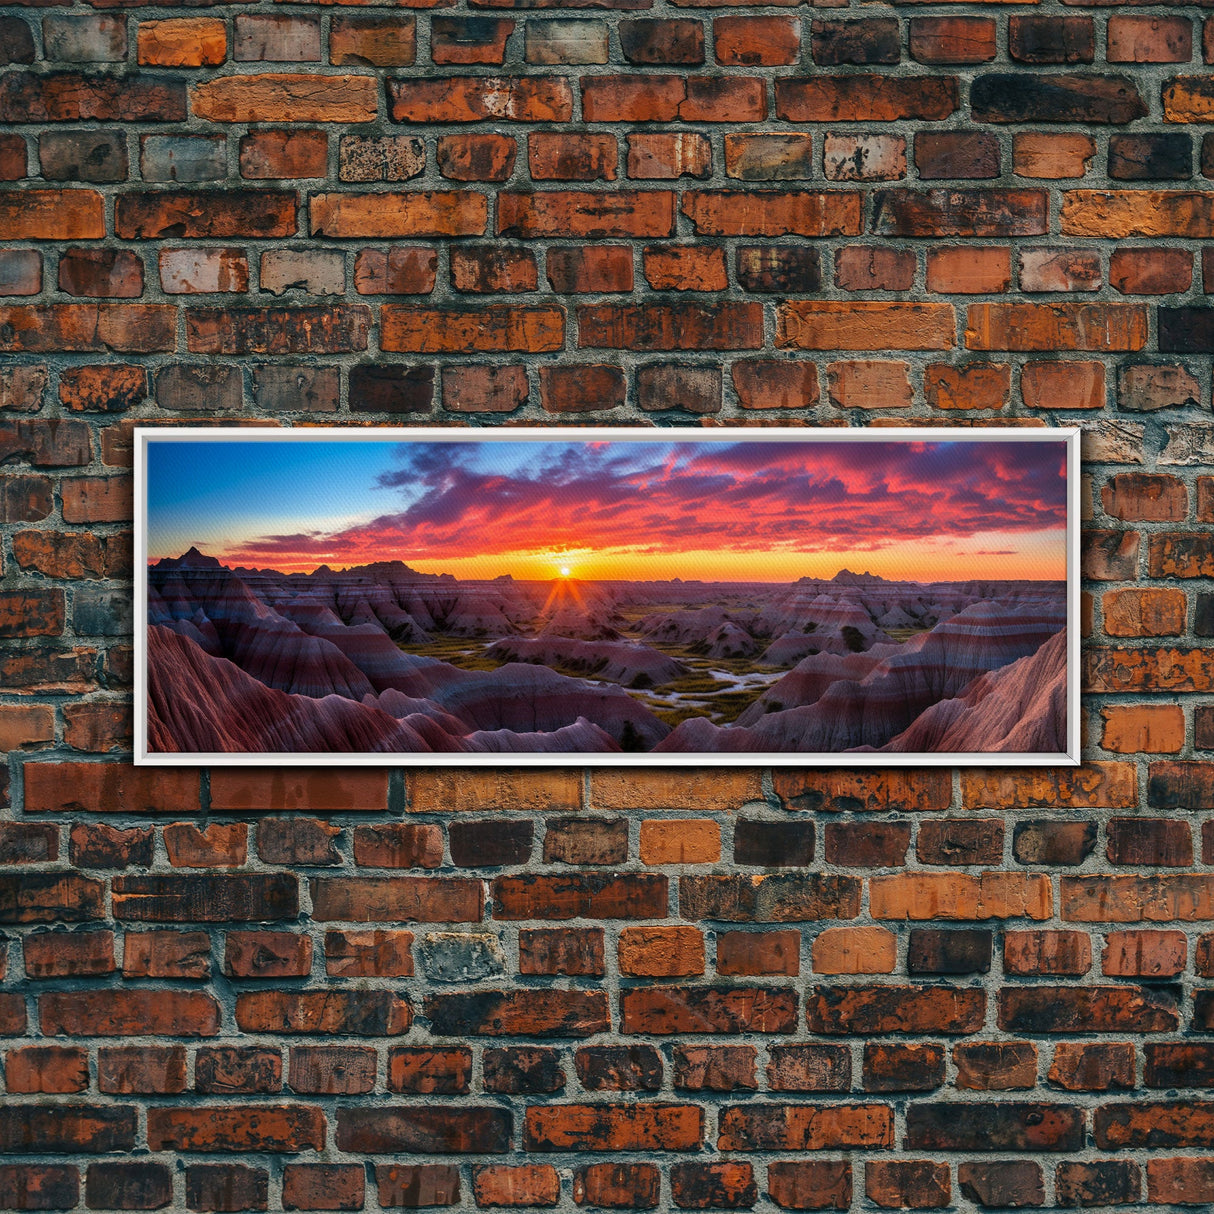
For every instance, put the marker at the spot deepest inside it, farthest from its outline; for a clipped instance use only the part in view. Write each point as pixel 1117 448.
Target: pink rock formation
pixel 1020 709
pixel 198 703
pixel 628 663
pixel 531 699
pixel 869 712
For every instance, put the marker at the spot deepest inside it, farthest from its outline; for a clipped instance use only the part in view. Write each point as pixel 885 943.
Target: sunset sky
pixel 720 510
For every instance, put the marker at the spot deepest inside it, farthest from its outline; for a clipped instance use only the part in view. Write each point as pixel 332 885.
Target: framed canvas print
pixel 625 596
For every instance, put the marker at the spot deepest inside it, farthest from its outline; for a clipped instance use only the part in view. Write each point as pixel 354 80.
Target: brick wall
pixel 234 990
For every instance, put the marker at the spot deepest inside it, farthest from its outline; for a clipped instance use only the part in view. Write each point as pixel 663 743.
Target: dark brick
pixel 391 388
pixel 1051 39
pixel 1150 157
pixel 489 843
pixel 903 1068
pixel 779 269
pixel 522 1070
pixel 619 1068
pixel 773 844
pixel 226 1187
pixel 1006 1184
pixel 1003 1126
pixel 1007 97
pixel 130 1185
pixel 840 42
pixel 958 951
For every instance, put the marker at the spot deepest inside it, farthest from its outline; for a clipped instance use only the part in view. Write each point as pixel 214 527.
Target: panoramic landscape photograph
pixel 488 596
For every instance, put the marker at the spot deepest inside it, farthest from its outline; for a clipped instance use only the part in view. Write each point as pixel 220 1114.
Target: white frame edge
pixel 1069 758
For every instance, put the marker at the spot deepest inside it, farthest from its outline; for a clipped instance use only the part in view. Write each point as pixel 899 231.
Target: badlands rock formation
pixel 336 660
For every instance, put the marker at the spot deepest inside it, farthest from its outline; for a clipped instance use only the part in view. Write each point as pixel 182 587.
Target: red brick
pixel 661 952
pixel 182 42
pixel 60 954
pixel 575 951
pixel 1134 613
pixel 104 327
pixel 869 383
pixel 266 954
pixel 476 157
pixel 298 789
pixel 166 954
pixel 804 1127
pixel 429 1071
pixel 772 213
pixel 204 214
pixel 49 1069
pixel 657 42
pixel 752 954
pixel 666 156
pixel 151 1070
pixel 894 1009
pixel 1136 954
pixel 809 1068
pixel 956 154
pixel 493 268
pixel 227 1069
pixel 1178 1181
pixel 952 39
pixel 590 270
pixel 1149 39
pixel 248 1127
pixel 226 1187
pixel 810 1185
pixel 399 270
pixel 775 385
pixel 479 99
pixel 503 327
pixel 685 268
pixel 677 326
pixel 874 268
pixel 127 1013
pixel 414 1185
pixel 973 386
pixel 101 273
pixel 581 388
pixel 1151 271
pixel 365 954
pixel 655 98
pixel 617 1185
pixel 614 1127
pixel 284 154
pixel 502 1185
pixel 566 213
pixel 379 41
pixel 557 156
pixel 990 1066
pixel 1133 899
pixel 332 1070
pixel 727 1185
pixel 864 97
pixel 27 842
pixel 51 215
pixel 318 1186
pixel 966 270
pixel 1143 728
pixel 376 1013
pixel 899 1184
pixel 756 41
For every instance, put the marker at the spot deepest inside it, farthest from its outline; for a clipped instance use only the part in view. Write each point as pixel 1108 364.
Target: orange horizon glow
pixel 920 561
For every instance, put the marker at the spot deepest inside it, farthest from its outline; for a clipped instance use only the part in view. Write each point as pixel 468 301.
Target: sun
pixel 565 571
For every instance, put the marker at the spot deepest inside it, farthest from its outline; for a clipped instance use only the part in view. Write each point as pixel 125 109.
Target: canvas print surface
pixel 630 595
